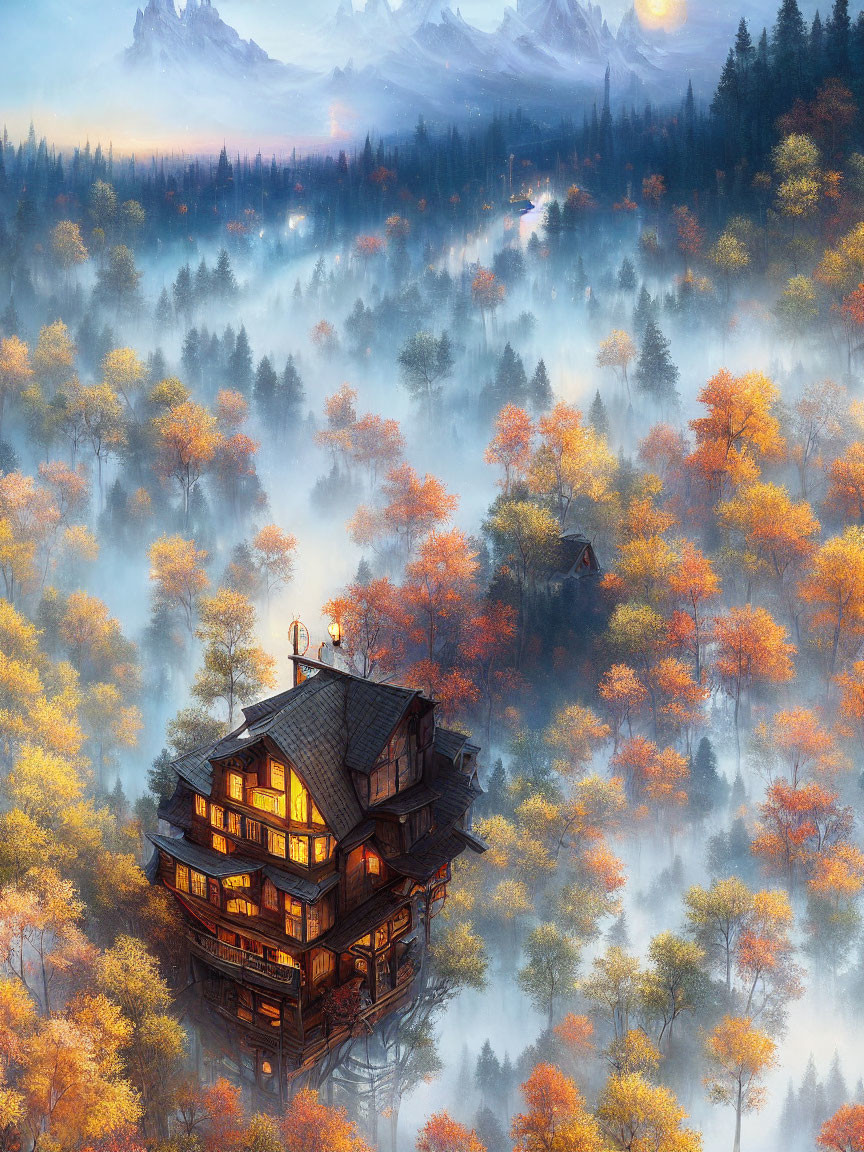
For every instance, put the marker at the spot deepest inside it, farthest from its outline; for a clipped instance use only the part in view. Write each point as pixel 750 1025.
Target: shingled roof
pixel 330 722
pixel 204 859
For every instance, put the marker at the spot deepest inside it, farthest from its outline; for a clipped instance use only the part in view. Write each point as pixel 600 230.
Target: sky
pixel 52 51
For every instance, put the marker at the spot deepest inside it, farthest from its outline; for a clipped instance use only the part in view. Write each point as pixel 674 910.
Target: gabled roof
pixel 298 886
pixel 449 743
pixel 329 722
pixel 204 859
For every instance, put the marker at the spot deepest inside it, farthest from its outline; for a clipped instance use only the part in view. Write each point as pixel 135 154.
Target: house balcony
pixel 241 964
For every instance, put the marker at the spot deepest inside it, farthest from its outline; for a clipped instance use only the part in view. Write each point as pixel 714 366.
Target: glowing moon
pixel 667 15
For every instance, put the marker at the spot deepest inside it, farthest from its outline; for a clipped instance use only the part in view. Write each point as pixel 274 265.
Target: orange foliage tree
pixel 844 1131
pixel 441 1133
pixel 510 447
pixel 752 649
pixel 311 1126
pixel 556 1119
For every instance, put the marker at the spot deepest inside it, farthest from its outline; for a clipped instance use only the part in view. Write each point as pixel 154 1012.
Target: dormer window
pixel 373 865
pixel 235 786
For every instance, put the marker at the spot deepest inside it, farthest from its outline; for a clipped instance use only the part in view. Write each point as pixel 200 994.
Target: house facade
pixel 308 852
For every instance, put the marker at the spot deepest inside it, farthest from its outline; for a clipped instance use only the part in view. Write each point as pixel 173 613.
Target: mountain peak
pixel 198 35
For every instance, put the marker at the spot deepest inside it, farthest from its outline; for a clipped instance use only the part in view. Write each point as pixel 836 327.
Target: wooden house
pixel 308 851
pixel 575 560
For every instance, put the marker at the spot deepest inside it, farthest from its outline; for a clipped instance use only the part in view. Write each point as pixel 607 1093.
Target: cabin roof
pixel 429 854
pixel 204 859
pixel 418 796
pixel 330 722
pixel 449 743
pixel 298 886
pixel 359 921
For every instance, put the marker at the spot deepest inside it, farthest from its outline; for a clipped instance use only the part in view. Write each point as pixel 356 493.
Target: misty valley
pixel 432 605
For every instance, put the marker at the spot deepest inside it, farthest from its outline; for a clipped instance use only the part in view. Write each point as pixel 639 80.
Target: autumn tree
pixel 752 650
pixel 633 1114
pixel 15 371
pixel 187 439
pixel 693 583
pixel 510 447
pixel 235 668
pixel 441 1133
pixel 739 431
pixel 177 571
pixel 716 918
pixel 844 1131
pixel 834 590
pixel 572 465
pixel 273 551
pixel 311 1126
pixel 549 972
pixel 617 352
pixel 556 1118
pixel 373 619
pixel 740 1055
pixel 672 983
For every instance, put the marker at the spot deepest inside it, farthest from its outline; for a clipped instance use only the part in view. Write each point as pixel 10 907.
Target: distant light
pixel 665 15
pixel 335 630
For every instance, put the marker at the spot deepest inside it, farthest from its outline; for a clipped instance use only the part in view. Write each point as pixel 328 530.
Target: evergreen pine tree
pixel 487 1074
pixel 291 395
pixel 163 314
pixel 266 383
pixel 161 777
pixel 540 388
pixel 627 275
pixel 184 293
pixel 598 416
pixel 644 311
pixel 838 40
pixel 656 374
pixel 223 281
pixel 836 1090
pixel 240 363
pixel 10 325
pixel 203 282
pixel 812 1106
pixel 707 787
pixel 788 54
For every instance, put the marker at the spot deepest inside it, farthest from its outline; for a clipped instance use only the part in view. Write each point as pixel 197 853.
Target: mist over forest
pixel 557 420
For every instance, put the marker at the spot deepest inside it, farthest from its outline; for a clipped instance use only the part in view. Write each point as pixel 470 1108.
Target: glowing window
pixel 373 864
pixel 299 800
pixel 276 843
pixel 220 844
pixel 241 881
pixel 182 878
pixel 267 801
pixel 235 786
pixel 277 776
pixel 270 896
pixel 287 960
pixel 322 964
pixel 199 885
pixel 293 918
pixel 299 849
pixel 200 806
pixel 317 818
pixel 400 921
pixel 272 1011
pixel 234 823
pixel 380 937
pixel 241 907
pixel 217 816
pixel 322 849
pixel 253 830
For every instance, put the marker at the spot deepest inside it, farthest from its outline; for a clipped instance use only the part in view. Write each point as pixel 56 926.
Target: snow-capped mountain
pixel 197 35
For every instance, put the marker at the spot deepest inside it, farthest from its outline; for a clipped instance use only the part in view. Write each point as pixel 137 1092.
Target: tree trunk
pixel 736 1147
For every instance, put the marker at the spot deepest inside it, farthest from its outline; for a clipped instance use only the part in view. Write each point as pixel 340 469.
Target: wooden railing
pixel 230 954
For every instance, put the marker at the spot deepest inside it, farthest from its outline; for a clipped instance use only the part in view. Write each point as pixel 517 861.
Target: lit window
pixel 363 942
pixel 313 924
pixel 200 806
pixel 322 964
pixel 235 786
pixel 267 801
pixel 373 864
pixel 322 844
pixel 182 878
pixel 299 849
pixel 287 960
pixel 242 907
pixel 220 844
pixel 217 816
pixel 270 1010
pixel 276 843
pixel 299 799
pixel 266 1068
pixel 293 918
pixel 253 830
pixel 380 937
pixel 241 881
pixel 270 896
pixel 199 885
pixel 234 823
pixel 317 818
pixel 277 776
